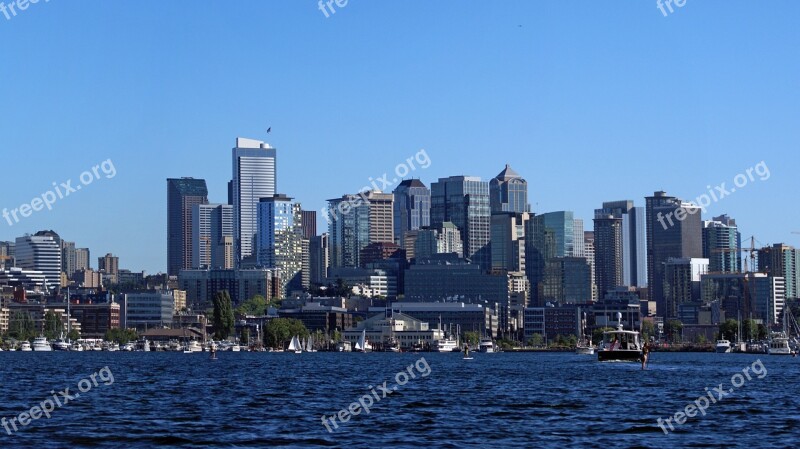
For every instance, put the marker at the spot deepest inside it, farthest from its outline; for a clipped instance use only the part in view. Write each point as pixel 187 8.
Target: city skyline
pixel 566 130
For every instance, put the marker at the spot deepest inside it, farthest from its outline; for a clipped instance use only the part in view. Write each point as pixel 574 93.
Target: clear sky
pixel 589 101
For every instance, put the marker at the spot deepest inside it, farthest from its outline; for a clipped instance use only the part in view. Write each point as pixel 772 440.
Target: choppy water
pixel 502 400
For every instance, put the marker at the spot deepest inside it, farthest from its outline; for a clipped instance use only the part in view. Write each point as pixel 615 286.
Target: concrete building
pixel 309 224
pixel 455 317
pixel 634 240
pixel 241 285
pixel 182 195
pixel 447 278
pixel 746 295
pixel 608 252
pixel 385 326
pixel 442 239
pixel 552 322
pixel 318 259
pixel 508 240
pixel 318 317
pixel 96 318
pixel 782 261
pixel 212 235
pixel 82 259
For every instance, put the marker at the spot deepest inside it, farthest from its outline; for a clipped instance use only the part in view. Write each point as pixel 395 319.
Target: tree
pixel 473 338
pixel 674 330
pixel 280 330
pixel 121 336
pixel 52 325
pixel 256 305
pixel 21 326
pixel 74 335
pixel 536 340
pixel 648 330
pixel 597 334
pixel 224 324
pixel 728 330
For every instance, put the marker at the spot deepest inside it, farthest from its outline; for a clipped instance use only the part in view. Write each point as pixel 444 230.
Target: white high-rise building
pixel 254 177
pixel 40 253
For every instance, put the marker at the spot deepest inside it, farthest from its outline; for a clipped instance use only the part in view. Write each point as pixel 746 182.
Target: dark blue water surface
pixel 496 400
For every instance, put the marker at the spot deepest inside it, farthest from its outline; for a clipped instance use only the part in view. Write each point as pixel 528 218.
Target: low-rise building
pixel 146 309
pixel 387 326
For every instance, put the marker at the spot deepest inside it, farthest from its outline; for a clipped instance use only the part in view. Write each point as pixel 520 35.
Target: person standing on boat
pixel 645 354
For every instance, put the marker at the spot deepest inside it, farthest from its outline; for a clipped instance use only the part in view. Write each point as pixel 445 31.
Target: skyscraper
pixel 309 224
pixel 674 230
pixel 634 240
pixel 722 245
pixel 108 263
pixel 781 260
pixel 68 258
pixel 589 253
pixel 355 222
pixel 182 195
pixel 40 253
pixel 608 252
pixel 82 259
pixel 444 239
pixel 681 283
pixel 318 258
pixel 280 241
pixel 412 208
pixel 254 177
pixel 464 201
pixel 508 240
pixel 508 192
pixel 211 224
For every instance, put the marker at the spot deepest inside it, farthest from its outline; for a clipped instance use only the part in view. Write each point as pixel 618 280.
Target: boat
pixel 486 346
pixel 779 344
pixel 310 345
pixel 61 344
pixel 40 344
pixel 723 346
pixel 585 345
pixel 295 345
pixel 25 347
pixel 236 348
pixel 620 345
pixel 445 345
pixel 344 346
pixel 192 347
pixel 362 345
pixel 77 347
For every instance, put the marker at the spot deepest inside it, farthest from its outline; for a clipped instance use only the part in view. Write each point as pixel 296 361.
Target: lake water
pixel 504 400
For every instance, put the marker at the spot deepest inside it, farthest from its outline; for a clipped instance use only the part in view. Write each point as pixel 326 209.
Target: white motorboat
pixel 77 347
pixel 62 345
pixel 192 347
pixel 779 345
pixel 723 346
pixel 445 345
pixel 25 347
pixel 40 344
pixel 486 346
pixel 620 345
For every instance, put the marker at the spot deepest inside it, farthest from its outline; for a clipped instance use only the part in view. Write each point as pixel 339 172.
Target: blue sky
pixel 589 101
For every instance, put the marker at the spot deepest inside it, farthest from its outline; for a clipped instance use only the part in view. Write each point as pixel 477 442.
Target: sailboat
pixel 779 343
pixel 584 346
pixel 310 345
pixel 362 345
pixel 295 346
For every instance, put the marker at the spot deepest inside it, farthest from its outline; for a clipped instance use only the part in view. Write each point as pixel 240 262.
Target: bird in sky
pixel 269 130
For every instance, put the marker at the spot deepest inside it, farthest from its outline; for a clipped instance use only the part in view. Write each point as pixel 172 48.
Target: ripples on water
pixel 503 400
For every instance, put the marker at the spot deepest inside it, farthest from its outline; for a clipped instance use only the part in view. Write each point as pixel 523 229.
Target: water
pixel 502 400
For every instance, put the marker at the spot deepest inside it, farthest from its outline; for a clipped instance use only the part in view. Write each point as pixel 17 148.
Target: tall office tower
pixel 589 253
pixel 83 259
pixel 381 216
pixel 254 177
pixel 182 195
pixel 68 258
pixel 412 208
pixel 355 222
pixel 508 241
pixel 674 230
pixel 280 240
pixel 108 263
pixel 722 245
pixel 211 224
pixel 577 239
pixel 634 240
pixel 508 192
pixel 318 259
pixel 781 260
pixel 225 255
pixel 444 239
pixel 682 283
pixel 309 224
pixel 464 201
pixel 608 252
pixel 40 253
pixel 567 280
pixel 561 227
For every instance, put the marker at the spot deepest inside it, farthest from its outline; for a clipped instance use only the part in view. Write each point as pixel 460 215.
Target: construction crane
pixel 752 250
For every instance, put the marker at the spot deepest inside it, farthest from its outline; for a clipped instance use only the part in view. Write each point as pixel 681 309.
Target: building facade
pixel 254 177
pixel 182 195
